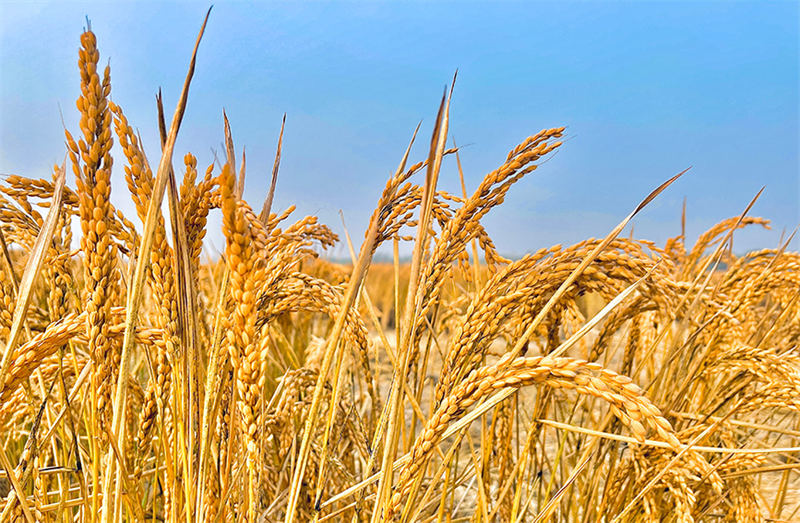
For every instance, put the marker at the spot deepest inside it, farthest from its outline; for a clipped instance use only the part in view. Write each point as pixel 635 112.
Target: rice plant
pixel 612 380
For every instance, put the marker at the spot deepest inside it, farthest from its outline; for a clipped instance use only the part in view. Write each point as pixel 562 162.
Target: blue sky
pixel 645 89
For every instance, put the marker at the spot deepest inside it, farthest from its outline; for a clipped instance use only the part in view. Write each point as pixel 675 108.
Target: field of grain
pixel 612 380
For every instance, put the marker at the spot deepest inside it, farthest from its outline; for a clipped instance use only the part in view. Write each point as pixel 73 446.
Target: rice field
pixel 614 380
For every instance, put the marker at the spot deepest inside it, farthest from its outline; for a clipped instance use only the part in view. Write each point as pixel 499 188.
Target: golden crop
pixel 611 380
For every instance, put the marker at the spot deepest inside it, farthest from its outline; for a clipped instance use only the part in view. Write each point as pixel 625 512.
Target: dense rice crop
pixel 611 380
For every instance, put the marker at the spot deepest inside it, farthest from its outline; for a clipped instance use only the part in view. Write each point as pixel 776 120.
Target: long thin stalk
pixel 395 401
pixel 137 285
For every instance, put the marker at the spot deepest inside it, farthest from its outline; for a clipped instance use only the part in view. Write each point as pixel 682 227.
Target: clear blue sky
pixel 646 89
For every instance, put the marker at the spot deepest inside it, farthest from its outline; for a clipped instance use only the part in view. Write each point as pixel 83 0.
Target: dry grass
pixel 612 380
